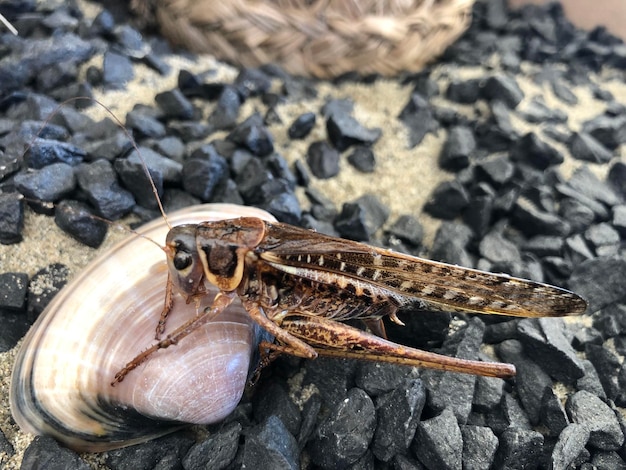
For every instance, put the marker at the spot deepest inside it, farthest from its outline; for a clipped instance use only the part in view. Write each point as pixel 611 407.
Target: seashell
pixel 61 381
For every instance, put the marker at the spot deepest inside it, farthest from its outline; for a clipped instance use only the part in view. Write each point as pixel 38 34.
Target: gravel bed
pixel 507 154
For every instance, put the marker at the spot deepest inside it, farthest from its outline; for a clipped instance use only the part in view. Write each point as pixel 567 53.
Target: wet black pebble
pixel 447 200
pixel 323 160
pixel 164 452
pixel 76 218
pixel 11 218
pixel 438 442
pixel 13 290
pixel 345 435
pixel 457 149
pixel 363 159
pixel 99 181
pixel 302 126
pixel 51 183
pixel 217 451
pixel 203 171
pixel 43 286
pixel 397 418
pixel 344 131
pixel 56 457
pixel 270 445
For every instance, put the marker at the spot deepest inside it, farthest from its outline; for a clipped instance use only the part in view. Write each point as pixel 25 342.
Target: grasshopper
pixel 300 285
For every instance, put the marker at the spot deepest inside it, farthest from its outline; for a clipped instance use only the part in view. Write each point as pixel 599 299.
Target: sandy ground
pixel 403 180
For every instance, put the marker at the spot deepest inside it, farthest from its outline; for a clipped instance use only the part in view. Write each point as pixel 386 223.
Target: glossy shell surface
pixel 102 319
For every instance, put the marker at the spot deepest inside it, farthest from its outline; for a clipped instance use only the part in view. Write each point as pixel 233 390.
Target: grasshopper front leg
pixel 221 301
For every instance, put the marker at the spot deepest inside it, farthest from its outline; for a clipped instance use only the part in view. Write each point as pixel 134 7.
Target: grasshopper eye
pixel 182 260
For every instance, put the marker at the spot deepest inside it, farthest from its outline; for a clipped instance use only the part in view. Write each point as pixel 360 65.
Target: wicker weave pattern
pixel 320 38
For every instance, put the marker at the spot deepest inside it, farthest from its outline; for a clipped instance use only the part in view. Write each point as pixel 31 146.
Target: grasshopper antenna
pixel 8 25
pixel 128 135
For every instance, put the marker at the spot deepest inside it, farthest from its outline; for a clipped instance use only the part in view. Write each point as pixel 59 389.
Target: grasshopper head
pixel 183 260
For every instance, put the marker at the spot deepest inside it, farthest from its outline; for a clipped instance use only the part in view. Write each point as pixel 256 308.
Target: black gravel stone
pixel 302 126
pixel 619 220
pixel 599 281
pixel 464 344
pixel 479 446
pixel 27 59
pixel 323 160
pixel 252 82
pixel 272 399
pixel 608 130
pixel 13 290
pixel 362 158
pixel 578 214
pixel 99 181
pixel 438 442
pixel 447 200
pixel 108 148
pixel 270 445
pixel 450 244
pixel 117 70
pixel 603 238
pixel 344 131
pixel 76 219
pixel 536 111
pixel 465 92
pixel 588 184
pixel 589 411
pixel 503 88
pixel 570 445
pixel 165 452
pixel 14 287
pixel 360 219
pixel 418 117
pixel 202 173
pixel 11 218
pixel 344 436
pixel 217 451
pixel 170 170
pixel 458 149
pixel 487 394
pixel 44 152
pixel 533 221
pixel 607 365
pixel 553 415
pixel 531 379
pixel 145 123
pixel 47 450
pixel 252 135
pixel 397 415
pixel 226 111
pixel 584 147
pixel 51 183
pixel 408 229
pixel 532 150
pixel 43 286
pixel 545 245
pixel 519 448
pixel 498 249
pixel 174 104
pixel 545 342
pixel 617 178
pixel 496 171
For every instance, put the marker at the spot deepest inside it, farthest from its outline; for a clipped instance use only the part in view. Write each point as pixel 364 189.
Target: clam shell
pixel 61 380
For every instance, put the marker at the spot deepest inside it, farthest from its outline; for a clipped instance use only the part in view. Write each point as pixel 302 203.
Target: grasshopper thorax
pixel 183 260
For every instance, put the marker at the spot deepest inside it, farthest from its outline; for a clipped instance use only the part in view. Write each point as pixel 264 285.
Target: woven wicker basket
pixel 320 38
